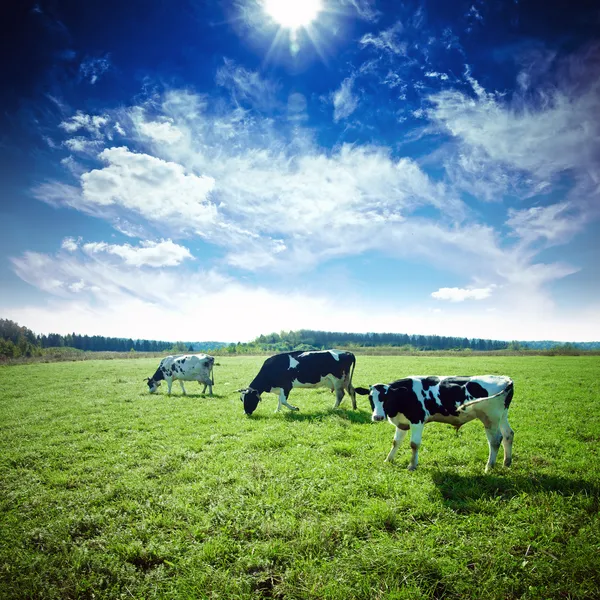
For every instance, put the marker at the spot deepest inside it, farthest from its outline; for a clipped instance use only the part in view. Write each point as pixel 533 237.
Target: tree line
pixel 331 339
pixel 17 341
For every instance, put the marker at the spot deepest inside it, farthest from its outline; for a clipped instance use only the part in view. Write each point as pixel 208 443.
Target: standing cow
pixel 411 402
pixel 280 373
pixel 186 367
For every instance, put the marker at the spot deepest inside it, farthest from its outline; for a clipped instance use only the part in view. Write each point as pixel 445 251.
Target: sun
pixel 293 14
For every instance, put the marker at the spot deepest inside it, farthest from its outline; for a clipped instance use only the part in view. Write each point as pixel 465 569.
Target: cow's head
pixel 250 397
pixel 152 385
pixel 377 396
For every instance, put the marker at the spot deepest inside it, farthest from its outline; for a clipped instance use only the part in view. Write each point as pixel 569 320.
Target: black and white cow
pixel 411 402
pixel 185 367
pixel 280 373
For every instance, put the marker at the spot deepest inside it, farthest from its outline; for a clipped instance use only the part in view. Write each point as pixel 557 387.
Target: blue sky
pixel 219 169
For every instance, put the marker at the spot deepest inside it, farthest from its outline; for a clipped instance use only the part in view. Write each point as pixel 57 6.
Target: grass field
pixel 109 492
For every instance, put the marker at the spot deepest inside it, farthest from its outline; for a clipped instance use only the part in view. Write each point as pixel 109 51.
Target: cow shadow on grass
pixel 465 493
pixel 188 395
pixel 352 416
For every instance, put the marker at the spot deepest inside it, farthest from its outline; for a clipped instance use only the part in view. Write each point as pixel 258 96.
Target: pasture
pixel 109 492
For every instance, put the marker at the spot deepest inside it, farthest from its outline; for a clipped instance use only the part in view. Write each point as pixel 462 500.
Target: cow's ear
pixel 242 390
pixel 147 379
pixel 362 391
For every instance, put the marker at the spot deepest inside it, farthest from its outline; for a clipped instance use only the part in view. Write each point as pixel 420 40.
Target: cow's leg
pixel 339 392
pixel 494 438
pixel 182 388
pixel 283 401
pixel 351 393
pixel 508 435
pixel 205 386
pixel 169 381
pixel 398 437
pixel 416 433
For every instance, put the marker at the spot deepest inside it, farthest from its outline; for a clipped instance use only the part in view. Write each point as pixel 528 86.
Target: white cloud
pixel 247 86
pixel 436 75
pixel 158 190
pixel 70 244
pixel 83 145
pixel 344 101
pixel 90 123
pixel 460 294
pixel 148 254
pixel 387 40
pixel 555 223
pixel 160 131
pixel 92 69
pixel 365 9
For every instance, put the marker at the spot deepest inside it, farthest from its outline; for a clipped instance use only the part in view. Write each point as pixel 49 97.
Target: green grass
pixel 109 492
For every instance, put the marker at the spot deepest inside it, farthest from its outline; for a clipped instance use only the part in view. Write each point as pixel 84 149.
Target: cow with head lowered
pixel 185 367
pixel 332 369
pixel 411 402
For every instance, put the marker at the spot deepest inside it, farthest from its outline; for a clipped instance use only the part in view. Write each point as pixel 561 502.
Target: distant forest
pixel 17 341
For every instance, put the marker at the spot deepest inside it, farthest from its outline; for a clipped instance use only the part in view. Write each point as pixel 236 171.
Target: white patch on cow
pixel 328 381
pixel 378 412
pixel 335 354
pixel 293 363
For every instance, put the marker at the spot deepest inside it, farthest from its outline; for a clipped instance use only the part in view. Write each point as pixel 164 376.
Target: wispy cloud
pixel 91 69
pixel 98 295
pixel 93 124
pixel 388 40
pixel 247 87
pixel 460 294
pixel 148 254
pixel 274 199
pixel 534 139
pixel 345 102
pixel 554 224
pixel 364 8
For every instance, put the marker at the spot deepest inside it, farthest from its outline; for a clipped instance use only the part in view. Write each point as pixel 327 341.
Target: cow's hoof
pixel 412 468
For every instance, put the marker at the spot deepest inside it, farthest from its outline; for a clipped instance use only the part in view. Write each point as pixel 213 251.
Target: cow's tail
pixel 351 390
pixel 212 373
pixel 508 391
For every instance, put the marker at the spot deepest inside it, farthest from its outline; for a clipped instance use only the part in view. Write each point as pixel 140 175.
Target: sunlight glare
pixel 293 14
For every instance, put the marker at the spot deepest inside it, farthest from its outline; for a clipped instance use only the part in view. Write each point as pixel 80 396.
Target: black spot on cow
pixel 401 398
pixel 159 375
pixel 429 382
pixel 453 393
pixel 510 388
pixel 433 408
pixel 476 390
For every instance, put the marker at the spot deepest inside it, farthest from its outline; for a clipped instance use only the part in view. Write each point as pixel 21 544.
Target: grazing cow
pixel 280 373
pixel 411 402
pixel 185 367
